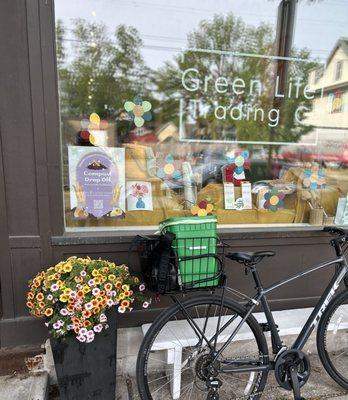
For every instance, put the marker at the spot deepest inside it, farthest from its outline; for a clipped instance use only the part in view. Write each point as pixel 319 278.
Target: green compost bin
pixel 194 236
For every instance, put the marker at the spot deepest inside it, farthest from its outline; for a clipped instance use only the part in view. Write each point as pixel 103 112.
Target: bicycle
pixel 208 333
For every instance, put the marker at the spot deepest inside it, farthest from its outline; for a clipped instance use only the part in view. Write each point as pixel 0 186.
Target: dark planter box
pixel 87 370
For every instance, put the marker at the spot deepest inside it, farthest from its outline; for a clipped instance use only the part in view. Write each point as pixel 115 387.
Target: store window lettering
pixel 195 113
pixel 193 81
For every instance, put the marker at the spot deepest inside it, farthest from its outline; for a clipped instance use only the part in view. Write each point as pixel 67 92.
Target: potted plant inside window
pixel 80 298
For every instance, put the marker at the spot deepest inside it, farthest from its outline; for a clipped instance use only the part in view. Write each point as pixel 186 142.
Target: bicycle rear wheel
pixel 175 361
pixel 332 339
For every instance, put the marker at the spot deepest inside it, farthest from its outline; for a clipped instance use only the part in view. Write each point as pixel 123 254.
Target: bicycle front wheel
pixel 176 358
pixel 332 339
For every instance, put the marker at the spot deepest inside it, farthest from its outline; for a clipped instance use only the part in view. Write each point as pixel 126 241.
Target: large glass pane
pixel 231 107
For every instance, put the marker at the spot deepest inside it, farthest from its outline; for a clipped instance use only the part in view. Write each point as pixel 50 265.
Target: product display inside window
pixel 231 108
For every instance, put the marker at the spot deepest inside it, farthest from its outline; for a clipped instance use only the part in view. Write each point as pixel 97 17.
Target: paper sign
pixel 139 196
pixel 229 196
pixel 97 180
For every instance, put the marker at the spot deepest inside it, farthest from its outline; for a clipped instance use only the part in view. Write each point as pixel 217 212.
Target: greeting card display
pixel 314 177
pixel 234 172
pixel 97 181
pixel 169 169
pixel 139 196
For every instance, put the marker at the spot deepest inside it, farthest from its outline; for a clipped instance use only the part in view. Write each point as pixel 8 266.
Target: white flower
pixel 81 338
pixel 142 287
pixel 102 318
pixel 91 282
pixel 88 306
pixel 56 326
pixel 98 328
pixel 90 339
pixel 145 304
pixel 64 312
pixel 49 297
pixel 95 291
pixel 83 273
pixel 82 331
pixel 54 287
pixel 109 303
pixel 121 309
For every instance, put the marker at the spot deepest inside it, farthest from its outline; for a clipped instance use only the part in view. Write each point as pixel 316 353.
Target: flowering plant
pixel 139 190
pixel 74 295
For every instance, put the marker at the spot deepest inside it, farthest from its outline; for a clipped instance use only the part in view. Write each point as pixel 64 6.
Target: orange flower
pixel 108 287
pixel 118 284
pixel 41 304
pixel 86 313
pixel 30 295
pixel 125 303
pixel 75 320
pixel 70 307
pixel 127 293
pixel 48 312
pixel 96 310
pixel 76 330
pixel 29 304
pixel 87 323
pixel 95 303
pixel 80 293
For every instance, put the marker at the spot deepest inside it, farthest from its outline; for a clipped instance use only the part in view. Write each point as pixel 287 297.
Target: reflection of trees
pixel 99 73
pixel 231 34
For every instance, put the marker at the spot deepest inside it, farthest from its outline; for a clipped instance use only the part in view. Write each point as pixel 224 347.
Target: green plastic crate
pixel 194 236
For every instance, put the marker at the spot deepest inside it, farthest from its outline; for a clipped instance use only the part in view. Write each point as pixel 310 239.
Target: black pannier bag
pixel 158 262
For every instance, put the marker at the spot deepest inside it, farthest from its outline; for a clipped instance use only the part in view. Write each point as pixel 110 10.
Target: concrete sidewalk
pixel 24 387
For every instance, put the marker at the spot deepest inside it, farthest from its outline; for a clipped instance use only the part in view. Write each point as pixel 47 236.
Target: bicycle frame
pixel 314 318
pixel 261 299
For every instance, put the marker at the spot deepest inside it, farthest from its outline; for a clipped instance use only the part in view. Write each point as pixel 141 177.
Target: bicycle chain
pixel 276 387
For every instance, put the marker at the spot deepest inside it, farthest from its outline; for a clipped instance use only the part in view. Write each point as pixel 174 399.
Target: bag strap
pixel 163 265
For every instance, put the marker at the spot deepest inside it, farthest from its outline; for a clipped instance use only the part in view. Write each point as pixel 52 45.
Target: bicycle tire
pixel 324 333
pixel 166 315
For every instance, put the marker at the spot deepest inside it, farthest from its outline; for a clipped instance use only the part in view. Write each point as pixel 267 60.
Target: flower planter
pixel 87 370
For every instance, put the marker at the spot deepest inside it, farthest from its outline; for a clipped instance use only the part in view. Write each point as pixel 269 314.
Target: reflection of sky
pixel 163 26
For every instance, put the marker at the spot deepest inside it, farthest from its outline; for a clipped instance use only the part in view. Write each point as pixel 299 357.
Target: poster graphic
pixel 97 181
pixel 139 196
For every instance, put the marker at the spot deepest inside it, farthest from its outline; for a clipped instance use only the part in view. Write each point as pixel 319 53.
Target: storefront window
pixel 233 108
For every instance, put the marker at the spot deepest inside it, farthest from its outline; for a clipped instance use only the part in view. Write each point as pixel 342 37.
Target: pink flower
pixel 102 318
pixel 81 338
pixel 142 287
pixel 49 297
pixel 98 328
pixel 73 294
pixel 95 291
pixel 83 273
pixel 56 326
pixel 110 303
pixel 82 331
pixel 91 282
pixel 145 304
pixel 64 312
pixel 54 287
pixel 88 306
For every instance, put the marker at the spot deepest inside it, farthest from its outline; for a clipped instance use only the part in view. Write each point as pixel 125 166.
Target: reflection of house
pixel 329 115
